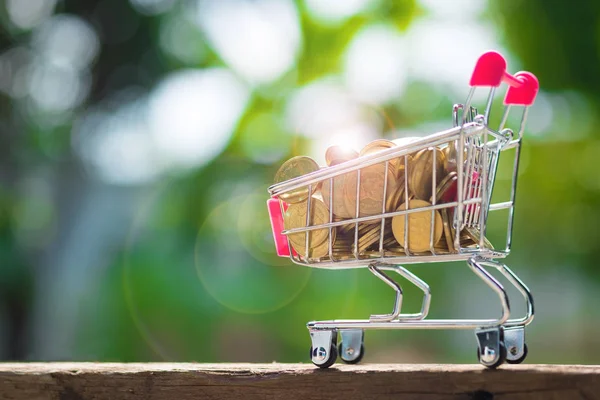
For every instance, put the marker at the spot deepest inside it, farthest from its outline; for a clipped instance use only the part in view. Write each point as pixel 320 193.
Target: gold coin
pixel 342 248
pixel 401 167
pixel 375 146
pixel 295 217
pixel 346 229
pixel 373 245
pixel 368 239
pixel 294 168
pixel 371 190
pixel 451 157
pixel 339 204
pixel 366 230
pixel 421 172
pixel 394 252
pixel 398 199
pixel 448 231
pixel 371 254
pixel 380 145
pixel 419 226
pixel 406 160
pixel 446 190
pixel 320 250
pixel 437 250
pixel 343 257
pixel 474 235
pixel 395 199
pixel 390 240
pixel 450 162
pixel 441 250
pixel 338 154
pixel 466 240
pixel 446 193
pixel 371 237
pixel 365 227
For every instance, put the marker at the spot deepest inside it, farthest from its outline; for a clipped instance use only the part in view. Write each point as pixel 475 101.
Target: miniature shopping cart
pixel 477 148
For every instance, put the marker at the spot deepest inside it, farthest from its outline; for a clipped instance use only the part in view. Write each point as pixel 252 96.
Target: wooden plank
pixel 157 381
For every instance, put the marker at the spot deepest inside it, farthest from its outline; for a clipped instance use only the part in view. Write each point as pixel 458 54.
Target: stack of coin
pixel 414 181
pixel 369 200
pixel 298 215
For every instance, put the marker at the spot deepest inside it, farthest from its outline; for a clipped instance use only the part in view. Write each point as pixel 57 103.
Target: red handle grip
pixel 490 71
pixel 281 243
pixel 525 93
pixel 511 80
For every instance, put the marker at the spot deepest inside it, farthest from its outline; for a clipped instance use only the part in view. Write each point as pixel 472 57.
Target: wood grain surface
pixel 83 381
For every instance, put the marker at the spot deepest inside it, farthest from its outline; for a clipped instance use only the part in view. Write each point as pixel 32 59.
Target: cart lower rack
pixel 406 202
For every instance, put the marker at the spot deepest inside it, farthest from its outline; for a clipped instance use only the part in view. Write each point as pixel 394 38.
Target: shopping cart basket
pixel 468 155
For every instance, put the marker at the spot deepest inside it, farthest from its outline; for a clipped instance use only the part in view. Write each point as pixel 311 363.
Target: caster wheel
pixel 520 359
pixel 357 359
pixel 330 361
pixel 498 362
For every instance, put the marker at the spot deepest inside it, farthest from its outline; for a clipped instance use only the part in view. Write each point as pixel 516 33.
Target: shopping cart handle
pixel 523 94
pixel 490 71
pixel 281 243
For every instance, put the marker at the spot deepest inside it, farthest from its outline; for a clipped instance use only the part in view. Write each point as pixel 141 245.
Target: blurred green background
pixel 138 138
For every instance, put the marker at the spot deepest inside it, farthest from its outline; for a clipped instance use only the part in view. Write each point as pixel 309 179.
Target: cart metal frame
pixel 478 149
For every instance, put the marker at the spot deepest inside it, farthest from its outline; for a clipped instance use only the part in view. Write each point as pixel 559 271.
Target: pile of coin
pixel 404 183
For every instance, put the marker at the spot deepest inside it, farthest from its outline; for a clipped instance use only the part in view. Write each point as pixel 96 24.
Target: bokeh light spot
pixel 233 276
pixel 321 107
pixel 193 113
pixel 325 112
pixel 335 11
pixel 57 88
pixel 116 143
pixel 259 39
pixel 444 50
pixel 67 40
pixel 254 229
pixel 375 69
pixel 27 14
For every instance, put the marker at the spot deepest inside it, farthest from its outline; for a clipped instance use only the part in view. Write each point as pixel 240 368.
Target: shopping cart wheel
pixel 323 349
pixel 520 359
pixel 329 359
pixel 491 351
pixel 514 339
pixel 351 348
pixel 351 358
pixel 499 360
